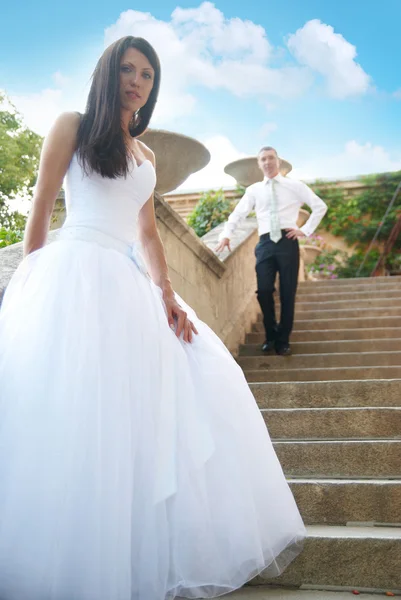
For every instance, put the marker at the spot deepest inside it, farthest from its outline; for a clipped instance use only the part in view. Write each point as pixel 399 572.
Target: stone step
pixel 322 335
pixel 336 283
pixel 349 313
pixel 360 321
pixel 345 501
pixel 333 423
pixel 322 374
pixel 345 459
pixel 327 347
pixel 351 286
pixel 265 592
pixel 326 394
pixel 320 361
pixel 365 558
pixel 354 297
pixel 333 305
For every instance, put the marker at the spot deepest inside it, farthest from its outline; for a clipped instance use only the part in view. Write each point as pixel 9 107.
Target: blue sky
pixel 320 80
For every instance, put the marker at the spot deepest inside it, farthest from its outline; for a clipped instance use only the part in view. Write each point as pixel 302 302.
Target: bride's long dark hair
pixel 100 141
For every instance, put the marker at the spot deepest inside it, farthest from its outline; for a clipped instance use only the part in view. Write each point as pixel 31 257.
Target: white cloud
pixel 397 94
pixel 41 109
pixel 222 152
pixel 355 159
pixel 200 47
pixel 60 80
pixel 317 46
pixel 267 129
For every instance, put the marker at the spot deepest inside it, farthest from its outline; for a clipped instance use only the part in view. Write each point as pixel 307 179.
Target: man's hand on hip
pixel 224 243
pixel 294 234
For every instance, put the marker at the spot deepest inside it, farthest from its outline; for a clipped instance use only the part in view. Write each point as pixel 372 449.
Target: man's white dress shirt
pixel 291 195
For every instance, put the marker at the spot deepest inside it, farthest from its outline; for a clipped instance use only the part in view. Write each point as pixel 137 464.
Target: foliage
pixel 357 217
pixel 328 264
pixel 212 209
pixel 19 161
pixel 351 266
pixel 313 240
pixel 8 237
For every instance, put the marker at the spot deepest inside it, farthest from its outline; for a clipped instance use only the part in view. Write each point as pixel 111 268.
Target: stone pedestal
pixel 177 157
pixel 246 171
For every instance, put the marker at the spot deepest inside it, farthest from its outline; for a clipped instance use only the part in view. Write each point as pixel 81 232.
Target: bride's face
pixel 136 80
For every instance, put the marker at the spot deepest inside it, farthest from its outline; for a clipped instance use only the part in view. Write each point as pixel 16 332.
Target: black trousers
pixel 272 258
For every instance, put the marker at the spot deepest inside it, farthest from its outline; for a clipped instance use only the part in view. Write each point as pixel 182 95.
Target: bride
pixel 134 462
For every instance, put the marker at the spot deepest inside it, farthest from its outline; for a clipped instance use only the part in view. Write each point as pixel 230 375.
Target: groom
pixel 276 201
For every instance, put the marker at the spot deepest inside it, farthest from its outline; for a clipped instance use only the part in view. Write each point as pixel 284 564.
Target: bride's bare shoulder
pixel 148 153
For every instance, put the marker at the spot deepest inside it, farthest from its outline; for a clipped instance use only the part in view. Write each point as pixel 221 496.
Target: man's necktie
pixel 275 229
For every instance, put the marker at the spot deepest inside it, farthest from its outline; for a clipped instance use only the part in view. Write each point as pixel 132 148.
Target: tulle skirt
pixel 133 466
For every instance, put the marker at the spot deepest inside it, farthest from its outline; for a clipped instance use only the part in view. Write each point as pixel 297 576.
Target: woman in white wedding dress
pixel 134 462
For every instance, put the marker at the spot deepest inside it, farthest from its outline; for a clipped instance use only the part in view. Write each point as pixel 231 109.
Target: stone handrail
pixel 222 292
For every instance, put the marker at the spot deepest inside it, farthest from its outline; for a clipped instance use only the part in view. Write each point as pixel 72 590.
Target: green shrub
pixel 10 236
pixel 212 209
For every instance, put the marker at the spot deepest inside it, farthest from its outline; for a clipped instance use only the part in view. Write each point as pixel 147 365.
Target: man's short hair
pixel 265 148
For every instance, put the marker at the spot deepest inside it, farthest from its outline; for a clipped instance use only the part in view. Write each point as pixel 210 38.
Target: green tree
pixel 357 217
pixel 19 161
pixel 212 209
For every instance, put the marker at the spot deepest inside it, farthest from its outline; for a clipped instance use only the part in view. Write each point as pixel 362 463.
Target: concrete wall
pixel 221 292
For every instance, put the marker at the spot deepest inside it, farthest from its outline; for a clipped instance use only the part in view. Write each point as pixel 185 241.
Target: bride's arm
pixel 56 155
pixel 156 262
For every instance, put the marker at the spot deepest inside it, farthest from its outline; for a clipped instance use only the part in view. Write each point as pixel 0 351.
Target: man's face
pixel 269 163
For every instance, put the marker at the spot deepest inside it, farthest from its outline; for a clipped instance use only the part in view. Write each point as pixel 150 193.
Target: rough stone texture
pixel 246 171
pixel 333 335
pixel 341 459
pixel 364 322
pixel 230 282
pixel 382 302
pixel 347 556
pixel 332 284
pixel 326 394
pixel 167 146
pixel 326 347
pixel 334 423
pixel 319 361
pixel 338 502
pixel 352 297
pixel 336 429
pixel 350 313
pixel 324 374
pixel 378 284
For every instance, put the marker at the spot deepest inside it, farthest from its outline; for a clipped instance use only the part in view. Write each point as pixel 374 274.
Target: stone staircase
pixel 334 413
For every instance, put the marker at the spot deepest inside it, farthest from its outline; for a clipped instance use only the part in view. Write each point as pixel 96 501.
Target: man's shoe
pixel 283 350
pixel 268 346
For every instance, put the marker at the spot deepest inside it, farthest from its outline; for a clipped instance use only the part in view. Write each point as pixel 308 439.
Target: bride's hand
pixel 178 320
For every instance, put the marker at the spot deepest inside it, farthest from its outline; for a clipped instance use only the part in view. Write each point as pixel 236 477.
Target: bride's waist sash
pixel 106 240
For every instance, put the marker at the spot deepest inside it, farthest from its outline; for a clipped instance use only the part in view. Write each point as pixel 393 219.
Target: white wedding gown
pixel 133 466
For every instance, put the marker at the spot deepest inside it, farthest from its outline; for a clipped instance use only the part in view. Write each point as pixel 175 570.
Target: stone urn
pixel 246 171
pixel 310 253
pixel 177 157
pixel 303 216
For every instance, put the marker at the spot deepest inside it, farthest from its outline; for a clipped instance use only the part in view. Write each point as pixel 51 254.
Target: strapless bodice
pixel 108 205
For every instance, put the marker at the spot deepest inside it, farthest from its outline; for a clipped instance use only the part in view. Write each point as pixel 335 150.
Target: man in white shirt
pixel 276 201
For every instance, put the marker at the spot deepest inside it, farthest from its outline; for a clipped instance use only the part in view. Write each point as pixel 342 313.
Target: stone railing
pixel 222 292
